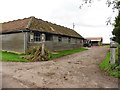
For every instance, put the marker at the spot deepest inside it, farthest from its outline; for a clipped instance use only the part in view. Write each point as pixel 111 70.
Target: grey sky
pixel 89 22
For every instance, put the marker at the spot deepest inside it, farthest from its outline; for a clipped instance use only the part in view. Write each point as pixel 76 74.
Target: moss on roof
pixel 33 23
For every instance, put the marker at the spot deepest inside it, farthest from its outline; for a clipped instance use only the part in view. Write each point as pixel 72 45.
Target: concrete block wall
pixel 64 46
pixel 19 42
pixel 13 42
pixel 73 40
pixel 55 38
pixel 65 40
pixel 48 45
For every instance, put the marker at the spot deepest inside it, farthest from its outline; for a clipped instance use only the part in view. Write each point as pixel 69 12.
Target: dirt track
pixel 80 70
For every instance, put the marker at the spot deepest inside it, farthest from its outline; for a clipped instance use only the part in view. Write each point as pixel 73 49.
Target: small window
pixel 49 37
pixel 75 40
pixel 60 39
pixel 37 37
pixel 80 41
pixel 69 39
pixel 31 37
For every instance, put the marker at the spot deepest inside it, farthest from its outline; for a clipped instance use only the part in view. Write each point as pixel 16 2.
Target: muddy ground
pixel 80 70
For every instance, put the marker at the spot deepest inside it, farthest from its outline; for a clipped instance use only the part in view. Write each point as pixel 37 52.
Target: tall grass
pixel 113 70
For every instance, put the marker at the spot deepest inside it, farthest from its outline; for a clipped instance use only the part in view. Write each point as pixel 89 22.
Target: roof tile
pixel 33 23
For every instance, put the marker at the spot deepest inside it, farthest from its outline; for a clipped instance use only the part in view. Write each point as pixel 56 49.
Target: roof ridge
pixel 53 23
pixel 30 21
pixel 38 24
pixel 15 20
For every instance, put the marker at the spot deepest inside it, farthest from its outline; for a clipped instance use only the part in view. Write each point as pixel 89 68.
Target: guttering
pixel 14 31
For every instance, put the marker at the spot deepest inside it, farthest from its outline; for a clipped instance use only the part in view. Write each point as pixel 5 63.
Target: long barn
pixel 21 34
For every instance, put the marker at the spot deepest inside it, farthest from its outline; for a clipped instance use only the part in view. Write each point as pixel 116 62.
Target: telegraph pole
pixel 73 26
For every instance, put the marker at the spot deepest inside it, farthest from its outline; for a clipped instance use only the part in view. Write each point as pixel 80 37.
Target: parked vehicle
pixel 87 43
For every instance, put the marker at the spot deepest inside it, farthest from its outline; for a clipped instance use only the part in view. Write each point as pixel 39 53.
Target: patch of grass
pixel 65 52
pixel 105 63
pixel 13 57
pixel 113 70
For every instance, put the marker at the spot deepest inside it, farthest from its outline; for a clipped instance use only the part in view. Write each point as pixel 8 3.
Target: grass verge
pixel 65 52
pixel 13 57
pixel 113 70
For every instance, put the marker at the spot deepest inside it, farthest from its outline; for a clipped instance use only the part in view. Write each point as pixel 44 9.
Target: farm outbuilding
pixel 21 34
pixel 95 41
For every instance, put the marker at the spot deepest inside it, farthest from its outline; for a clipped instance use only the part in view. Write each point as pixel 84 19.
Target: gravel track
pixel 80 70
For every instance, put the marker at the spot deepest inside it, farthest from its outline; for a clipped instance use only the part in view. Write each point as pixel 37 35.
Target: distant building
pixel 95 41
pixel 87 43
pixel 21 34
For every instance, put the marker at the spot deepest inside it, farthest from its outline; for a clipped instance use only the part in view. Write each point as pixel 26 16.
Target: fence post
pixel 112 58
pixel 43 44
pixel 112 52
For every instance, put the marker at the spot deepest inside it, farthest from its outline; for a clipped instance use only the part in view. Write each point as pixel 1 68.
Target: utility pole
pixel 73 26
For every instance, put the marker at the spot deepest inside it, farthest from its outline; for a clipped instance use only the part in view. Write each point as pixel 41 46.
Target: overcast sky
pixel 89 21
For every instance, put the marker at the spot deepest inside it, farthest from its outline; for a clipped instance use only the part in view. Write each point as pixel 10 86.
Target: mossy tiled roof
pixel 33 23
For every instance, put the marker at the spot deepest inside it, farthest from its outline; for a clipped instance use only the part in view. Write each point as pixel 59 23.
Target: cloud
pixel 62 12
pixel 91 25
